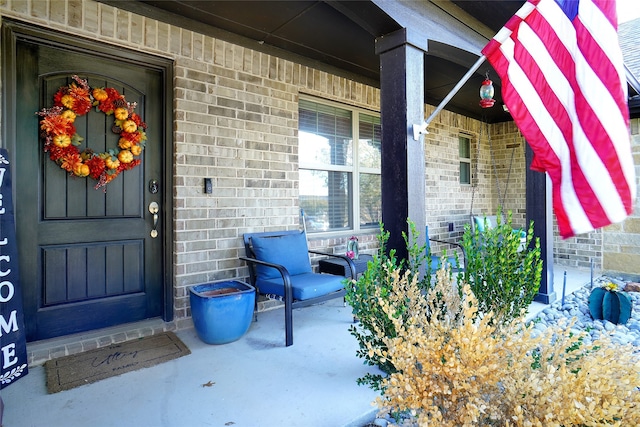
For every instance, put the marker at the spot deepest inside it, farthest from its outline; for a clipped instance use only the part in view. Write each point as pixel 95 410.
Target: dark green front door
pixel 87 257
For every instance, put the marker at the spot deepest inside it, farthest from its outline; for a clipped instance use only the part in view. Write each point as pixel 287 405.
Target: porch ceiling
pixel 492 13
pixel 337 36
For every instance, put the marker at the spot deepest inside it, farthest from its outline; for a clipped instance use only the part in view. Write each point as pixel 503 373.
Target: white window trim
pixel 468 160
pixel 354 169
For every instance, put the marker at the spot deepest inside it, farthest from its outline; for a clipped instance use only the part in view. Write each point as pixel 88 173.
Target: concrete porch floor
pixel 255 381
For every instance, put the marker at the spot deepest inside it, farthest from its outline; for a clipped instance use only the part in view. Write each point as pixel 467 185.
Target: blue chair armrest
pixel 349 261
pixel 286 277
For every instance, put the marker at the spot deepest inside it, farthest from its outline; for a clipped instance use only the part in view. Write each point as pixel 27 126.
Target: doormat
pixel 88 367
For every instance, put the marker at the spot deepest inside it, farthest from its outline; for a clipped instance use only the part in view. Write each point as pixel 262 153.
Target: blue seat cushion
pixel 436 263
pixel 491 222
pixel 288 250
pixel 305 285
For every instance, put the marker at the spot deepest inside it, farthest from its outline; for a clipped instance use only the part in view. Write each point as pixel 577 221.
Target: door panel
pixel 87 260
pixel 115 269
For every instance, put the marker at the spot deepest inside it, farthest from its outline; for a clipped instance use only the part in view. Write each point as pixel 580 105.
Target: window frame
pixel 354 169
pixel 466 160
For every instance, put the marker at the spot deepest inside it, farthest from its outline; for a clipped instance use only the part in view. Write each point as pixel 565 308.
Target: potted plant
pixel 608 303
pixel 222 311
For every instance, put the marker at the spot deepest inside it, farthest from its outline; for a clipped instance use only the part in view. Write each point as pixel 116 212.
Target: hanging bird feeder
pixel 486 93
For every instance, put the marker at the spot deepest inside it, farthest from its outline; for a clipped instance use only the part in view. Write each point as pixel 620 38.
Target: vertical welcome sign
pixel 13 345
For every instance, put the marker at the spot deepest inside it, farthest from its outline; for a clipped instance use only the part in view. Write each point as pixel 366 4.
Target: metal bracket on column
pixel 420 129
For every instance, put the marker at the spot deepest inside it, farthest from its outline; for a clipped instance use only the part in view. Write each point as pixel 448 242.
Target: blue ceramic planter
pixel 222 311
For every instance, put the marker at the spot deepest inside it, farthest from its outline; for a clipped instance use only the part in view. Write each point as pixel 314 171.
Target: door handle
pixel 153 209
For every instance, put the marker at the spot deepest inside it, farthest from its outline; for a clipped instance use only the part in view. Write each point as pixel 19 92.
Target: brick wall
pixel 501 154
pixel 236 122
pixel 614 249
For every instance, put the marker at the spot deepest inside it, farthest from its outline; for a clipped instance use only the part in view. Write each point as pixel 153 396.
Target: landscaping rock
pixel 632 287
pixel 576 306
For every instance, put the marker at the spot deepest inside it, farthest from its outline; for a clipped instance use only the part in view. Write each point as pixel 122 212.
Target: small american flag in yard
pixel 563 81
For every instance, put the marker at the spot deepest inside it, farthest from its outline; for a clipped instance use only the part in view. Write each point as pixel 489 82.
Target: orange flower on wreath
pixel 61 140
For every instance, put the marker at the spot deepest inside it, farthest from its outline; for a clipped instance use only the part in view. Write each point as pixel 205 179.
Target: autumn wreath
pixel 61 140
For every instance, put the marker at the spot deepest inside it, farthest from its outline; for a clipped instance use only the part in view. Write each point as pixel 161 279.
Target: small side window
pixel 464 143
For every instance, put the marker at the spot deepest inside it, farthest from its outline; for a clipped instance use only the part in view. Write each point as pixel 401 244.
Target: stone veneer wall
pixel 621 242
pixel 236 121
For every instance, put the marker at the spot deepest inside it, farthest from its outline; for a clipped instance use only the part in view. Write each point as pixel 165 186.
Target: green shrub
pixel 503 276
pixel 447 360
pixel 515 291
pixel 376 283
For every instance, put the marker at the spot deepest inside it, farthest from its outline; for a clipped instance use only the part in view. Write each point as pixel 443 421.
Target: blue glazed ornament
pixel 607 303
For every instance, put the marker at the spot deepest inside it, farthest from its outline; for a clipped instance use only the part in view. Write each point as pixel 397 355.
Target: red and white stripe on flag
pixel 563 81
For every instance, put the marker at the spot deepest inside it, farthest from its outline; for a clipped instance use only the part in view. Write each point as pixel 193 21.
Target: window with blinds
pixel 339 154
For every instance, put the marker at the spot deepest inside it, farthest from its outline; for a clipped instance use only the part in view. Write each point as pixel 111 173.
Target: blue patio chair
pixel 279 267
pixel 435 261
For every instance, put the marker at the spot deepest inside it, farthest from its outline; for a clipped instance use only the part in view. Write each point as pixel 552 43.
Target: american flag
pixel 564 84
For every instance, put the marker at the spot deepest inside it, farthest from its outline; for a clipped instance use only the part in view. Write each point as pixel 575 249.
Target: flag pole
pixel 500 37
pixel 421 129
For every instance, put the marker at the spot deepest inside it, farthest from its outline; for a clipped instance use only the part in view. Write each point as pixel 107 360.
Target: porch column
pixel 403 165
pixel 539 210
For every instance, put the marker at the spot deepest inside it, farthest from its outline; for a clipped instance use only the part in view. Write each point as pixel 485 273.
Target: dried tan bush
pixel 455 367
